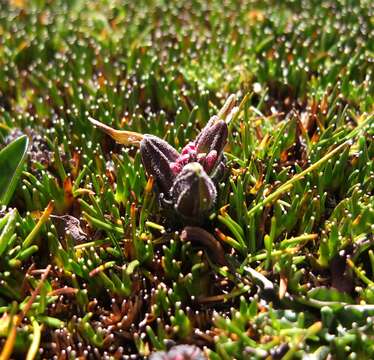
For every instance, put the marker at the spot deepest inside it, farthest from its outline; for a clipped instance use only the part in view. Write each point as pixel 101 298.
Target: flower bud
pixel 193 193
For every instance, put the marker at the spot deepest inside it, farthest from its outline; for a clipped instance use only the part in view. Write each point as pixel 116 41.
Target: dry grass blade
pixel 121 136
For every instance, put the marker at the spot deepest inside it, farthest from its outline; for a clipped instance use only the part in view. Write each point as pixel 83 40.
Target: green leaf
pixel 12 158
pixel 8 231
pixel 326 294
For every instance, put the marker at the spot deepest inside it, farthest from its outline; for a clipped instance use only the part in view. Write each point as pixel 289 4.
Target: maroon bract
pixel 207 149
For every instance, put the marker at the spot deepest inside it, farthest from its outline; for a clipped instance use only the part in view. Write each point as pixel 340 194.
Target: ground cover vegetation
pixel 274 259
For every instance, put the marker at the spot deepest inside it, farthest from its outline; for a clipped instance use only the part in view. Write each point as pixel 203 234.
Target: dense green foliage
pixel 90 266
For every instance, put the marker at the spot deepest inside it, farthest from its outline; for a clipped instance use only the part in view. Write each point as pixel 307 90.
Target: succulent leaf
pixel 212 137
pixel 12 158
pixel 202 237
pixel 157 156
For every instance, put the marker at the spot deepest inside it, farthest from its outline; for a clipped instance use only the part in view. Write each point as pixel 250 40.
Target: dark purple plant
pixel 186 181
